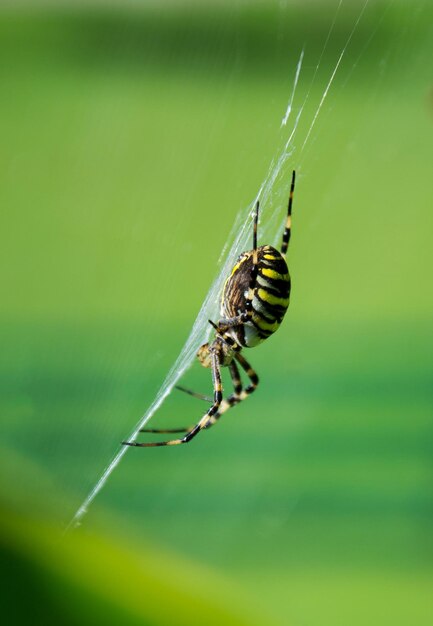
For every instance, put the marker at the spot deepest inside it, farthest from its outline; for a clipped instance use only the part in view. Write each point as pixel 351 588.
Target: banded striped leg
pixel 180 429
pixel 252 375
pixel 191 433
pixel 237 385
pixel 239 393
pixel 287 229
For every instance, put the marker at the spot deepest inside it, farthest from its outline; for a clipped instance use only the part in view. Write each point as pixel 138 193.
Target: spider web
pixel 272 194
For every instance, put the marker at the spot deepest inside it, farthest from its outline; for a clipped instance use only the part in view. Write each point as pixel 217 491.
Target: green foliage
pixel 88 578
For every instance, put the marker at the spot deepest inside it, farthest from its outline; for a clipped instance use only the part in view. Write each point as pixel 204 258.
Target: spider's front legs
pixel 192 432
pixel 288 227
pixel 225 323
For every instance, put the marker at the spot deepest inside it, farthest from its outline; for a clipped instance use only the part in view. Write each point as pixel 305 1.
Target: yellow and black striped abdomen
pixel 271 295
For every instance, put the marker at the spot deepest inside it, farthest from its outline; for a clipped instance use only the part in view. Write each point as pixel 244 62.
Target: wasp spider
pixel 254 301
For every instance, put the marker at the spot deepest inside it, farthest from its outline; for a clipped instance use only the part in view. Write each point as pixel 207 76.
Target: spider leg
pixel 287 229
pixel 239 393
pixel 237 383
pixel 232 399
pixel 180 429
pixel 252 375
pixel 225 323
pixel 192 432
pixel 200 396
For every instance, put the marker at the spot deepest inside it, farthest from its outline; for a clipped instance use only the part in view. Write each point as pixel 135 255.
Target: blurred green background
pixel 131 135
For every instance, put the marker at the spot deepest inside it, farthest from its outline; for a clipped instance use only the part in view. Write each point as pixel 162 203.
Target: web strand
pixel 328 86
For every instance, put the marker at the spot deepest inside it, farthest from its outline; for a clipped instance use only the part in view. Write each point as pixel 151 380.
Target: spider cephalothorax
pixel 254 301
pixel 218 349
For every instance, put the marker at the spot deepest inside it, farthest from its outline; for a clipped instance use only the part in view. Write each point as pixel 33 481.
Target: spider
pixel 254 301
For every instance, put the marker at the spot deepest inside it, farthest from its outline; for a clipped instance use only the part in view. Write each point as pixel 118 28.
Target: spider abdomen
pixel 271 295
